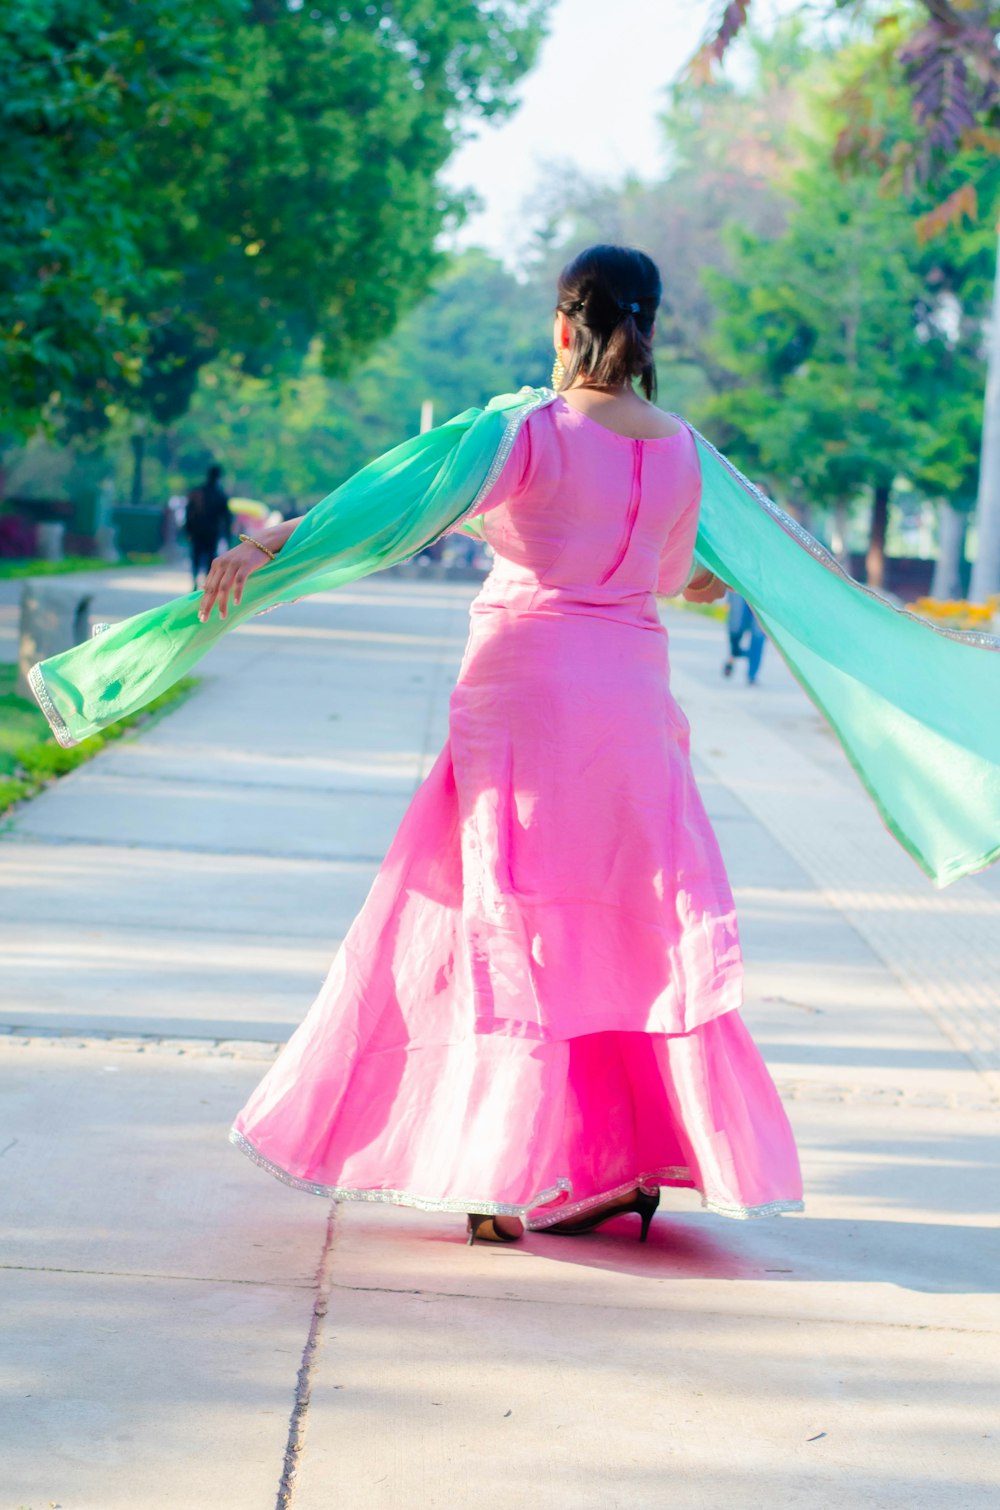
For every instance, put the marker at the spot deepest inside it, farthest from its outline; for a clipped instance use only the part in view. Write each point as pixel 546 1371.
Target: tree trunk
pixel 138 457
pixel 952 526
pixel 838 535
pixel 986 571
pixel 875 559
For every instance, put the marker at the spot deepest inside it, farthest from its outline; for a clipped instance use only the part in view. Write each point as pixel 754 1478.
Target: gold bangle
pixel 249 540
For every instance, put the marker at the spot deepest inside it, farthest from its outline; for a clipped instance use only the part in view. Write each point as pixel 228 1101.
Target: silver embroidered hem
pixel 57 723
pixel 672 1174
pixel 396 1197
pixel 675 1174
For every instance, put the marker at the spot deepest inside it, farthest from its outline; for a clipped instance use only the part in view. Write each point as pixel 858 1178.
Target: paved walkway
pixel 181 1331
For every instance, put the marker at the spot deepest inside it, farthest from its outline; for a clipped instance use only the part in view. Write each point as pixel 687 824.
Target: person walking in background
pixel 743 622
pixel 207 521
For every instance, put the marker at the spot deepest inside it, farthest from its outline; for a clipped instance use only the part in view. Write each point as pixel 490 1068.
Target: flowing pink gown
pixel 538 1005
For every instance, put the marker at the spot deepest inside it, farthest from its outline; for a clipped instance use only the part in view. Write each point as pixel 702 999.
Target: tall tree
pixel 277 181
pixel 855 342
pixel 82 85
pixel 946 55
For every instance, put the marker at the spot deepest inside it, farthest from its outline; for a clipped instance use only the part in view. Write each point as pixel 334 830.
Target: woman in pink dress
pixel 535 1017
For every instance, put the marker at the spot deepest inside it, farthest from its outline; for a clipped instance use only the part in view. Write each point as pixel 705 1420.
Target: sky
pixel 590 104
pixel 579 112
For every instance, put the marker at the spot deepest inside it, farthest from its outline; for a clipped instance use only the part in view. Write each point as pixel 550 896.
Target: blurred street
pixel 183 1331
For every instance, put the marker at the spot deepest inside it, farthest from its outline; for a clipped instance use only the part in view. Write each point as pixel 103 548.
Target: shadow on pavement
pixel 936 1258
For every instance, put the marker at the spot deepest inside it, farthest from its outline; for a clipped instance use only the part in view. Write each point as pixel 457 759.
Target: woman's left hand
pixel 226 577
pixel 704 587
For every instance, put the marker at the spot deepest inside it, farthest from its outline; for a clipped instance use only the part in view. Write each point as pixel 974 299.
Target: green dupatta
pixel 916 708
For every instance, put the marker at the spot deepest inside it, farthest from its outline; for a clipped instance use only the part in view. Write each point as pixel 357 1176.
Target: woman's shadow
pixel 937 1258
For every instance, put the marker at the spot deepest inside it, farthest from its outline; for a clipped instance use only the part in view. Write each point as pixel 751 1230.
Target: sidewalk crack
pixel 303 1383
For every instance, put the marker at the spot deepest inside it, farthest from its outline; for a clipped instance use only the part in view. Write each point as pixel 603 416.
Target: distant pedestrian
pixel 743 623
pixel 207 521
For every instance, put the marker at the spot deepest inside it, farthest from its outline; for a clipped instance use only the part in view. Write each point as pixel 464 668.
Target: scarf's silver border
pixel 671 1174
pixel 802 537
pixel 57 723
pixel 540 397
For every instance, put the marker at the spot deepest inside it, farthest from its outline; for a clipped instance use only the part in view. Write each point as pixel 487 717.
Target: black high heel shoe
pixel 475 1222
pixel 644 1203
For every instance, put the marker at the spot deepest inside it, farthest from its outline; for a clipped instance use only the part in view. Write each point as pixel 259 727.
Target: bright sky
pixel 590 103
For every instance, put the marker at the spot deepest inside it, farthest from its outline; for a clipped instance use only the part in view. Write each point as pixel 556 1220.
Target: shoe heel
pixel 646 1203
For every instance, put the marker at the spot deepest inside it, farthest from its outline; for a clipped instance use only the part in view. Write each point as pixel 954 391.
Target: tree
pixel 946 52
pixel 82 84
pixel 271 179
pixel 814 324
pixel 293 438
pixel 855 343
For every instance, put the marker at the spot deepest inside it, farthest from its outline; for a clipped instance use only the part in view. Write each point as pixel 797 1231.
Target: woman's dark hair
pixel 609 295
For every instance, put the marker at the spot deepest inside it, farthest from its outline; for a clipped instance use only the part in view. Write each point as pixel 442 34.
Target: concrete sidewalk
pixel 182 1331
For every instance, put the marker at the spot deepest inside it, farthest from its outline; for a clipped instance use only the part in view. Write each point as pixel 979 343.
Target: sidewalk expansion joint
pixel 97 841
pixel 881 1095
pixel 135 1043
pixel 553 1302
pixel 192 1279
pixel 303 1384
pixel 138 779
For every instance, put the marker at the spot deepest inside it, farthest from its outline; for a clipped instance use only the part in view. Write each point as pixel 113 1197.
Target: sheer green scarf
pixel 917 709
pixel 382 515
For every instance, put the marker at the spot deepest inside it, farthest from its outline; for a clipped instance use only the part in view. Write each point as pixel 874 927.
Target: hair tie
pixel 628 307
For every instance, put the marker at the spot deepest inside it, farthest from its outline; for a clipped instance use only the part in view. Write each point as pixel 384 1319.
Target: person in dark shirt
pixel 207 521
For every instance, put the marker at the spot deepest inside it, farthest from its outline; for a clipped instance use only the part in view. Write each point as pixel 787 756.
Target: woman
pixel 535 1016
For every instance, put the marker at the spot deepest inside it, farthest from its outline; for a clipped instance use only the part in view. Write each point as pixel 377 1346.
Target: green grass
pixel 717 611
pixel 30 756
pixel 10 570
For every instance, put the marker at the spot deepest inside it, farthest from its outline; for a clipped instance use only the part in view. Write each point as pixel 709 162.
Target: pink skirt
pixel 545 1130
pixel 399 1086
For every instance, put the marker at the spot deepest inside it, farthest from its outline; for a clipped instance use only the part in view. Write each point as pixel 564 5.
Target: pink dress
pixel 538 1004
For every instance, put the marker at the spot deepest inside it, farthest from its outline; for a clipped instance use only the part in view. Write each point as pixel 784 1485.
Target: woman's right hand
pixel 705 587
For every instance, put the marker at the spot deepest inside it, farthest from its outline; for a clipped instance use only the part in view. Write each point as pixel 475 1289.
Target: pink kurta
pixel 538 1004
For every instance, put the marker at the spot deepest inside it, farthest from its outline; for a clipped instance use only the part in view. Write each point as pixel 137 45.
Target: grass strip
pixel 12 569
pixel 29 756
pixel 718 611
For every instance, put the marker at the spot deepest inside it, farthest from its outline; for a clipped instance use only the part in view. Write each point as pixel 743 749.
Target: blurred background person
pixel 746 638
pixel 207 521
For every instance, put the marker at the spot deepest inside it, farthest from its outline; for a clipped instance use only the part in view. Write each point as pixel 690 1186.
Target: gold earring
pixel 558 373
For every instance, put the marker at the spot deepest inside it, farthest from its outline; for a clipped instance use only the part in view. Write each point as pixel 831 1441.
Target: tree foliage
pixel 857 347
pixel 947 54
pixel 293 440
pixel 81 86
pixel 184 181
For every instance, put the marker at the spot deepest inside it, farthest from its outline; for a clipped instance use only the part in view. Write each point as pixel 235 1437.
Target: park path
pixel 181 1330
